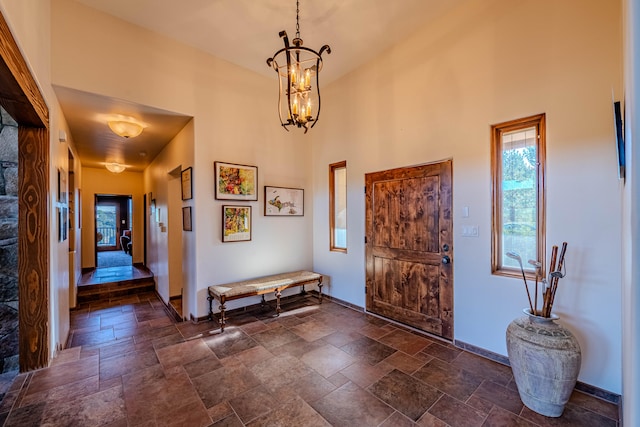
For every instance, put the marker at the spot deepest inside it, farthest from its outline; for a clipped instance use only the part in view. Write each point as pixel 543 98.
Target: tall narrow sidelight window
pixel 518 211
pixel 338 206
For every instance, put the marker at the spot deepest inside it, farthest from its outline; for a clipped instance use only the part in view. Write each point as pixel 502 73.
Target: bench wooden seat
pixel 260 286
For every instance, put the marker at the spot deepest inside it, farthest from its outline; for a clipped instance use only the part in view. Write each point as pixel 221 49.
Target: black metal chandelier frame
pixel 301 62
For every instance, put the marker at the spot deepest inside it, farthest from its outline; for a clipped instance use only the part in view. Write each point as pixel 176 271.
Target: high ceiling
pixel 244 32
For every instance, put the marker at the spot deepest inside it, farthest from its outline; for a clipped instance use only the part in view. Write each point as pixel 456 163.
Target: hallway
pixel 116 258
pixel 129 364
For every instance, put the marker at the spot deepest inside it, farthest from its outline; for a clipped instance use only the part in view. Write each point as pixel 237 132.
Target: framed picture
pixel 282 201
pixel 619 128
pixel 63 223
pixel 79 208
pixel 59 223
pixel 236 223
pixel 236 182
pixel 186 218
pixel 187 187
pixel 62 186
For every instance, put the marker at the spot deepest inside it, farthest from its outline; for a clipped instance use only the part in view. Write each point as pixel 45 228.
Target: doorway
pixel 23 100
pixel 114 236
pixel 174 240
pixel 409 246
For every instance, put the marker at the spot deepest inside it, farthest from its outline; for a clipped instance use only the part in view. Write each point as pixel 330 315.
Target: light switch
pixel 465 212
pixel 470 231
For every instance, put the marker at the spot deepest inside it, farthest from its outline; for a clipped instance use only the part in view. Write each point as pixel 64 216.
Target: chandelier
pixel 298 70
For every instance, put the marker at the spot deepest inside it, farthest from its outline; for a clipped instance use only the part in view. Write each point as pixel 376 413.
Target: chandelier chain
pixel 297 18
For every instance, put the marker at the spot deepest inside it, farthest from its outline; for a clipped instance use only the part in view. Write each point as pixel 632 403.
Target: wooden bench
pixel 261 286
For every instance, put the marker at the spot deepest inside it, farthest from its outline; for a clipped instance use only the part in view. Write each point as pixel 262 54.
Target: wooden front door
pixel 409 246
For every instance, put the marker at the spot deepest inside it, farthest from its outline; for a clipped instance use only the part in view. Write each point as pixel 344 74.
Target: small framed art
pixel 236 223
pixel 64 223
pixel 62 186
pixel 186 218
pixel 282 201
pixel 236 182
pixel 187 186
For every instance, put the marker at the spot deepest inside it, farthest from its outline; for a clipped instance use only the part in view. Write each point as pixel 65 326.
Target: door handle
pixel 446 259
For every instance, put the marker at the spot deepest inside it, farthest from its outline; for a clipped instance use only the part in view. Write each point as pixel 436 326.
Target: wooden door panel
pixel 400 254
pixel 407 286
pixel 408 232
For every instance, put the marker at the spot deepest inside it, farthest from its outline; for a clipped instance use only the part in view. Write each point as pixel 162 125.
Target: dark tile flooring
pixel 99 276
pixel 129 364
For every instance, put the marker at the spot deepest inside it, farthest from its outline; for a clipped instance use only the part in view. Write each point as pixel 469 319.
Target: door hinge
pixel 365 239
pixel 365 290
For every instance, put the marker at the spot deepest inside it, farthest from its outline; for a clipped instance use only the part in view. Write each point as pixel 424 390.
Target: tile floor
pixel 115 258
pixel 129 364
pixel 114 274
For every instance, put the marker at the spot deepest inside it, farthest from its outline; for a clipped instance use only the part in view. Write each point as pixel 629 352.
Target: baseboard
pixel 503 360
pixel 170 309
pixel 580 386
pixel 339 301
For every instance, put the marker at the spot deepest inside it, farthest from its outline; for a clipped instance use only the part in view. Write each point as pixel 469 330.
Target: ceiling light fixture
pixel 125 127
pixel 115 167
pixel 297 68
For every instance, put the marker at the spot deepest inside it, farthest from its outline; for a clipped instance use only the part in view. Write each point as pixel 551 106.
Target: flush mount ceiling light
pixel 126 127
pixel 298 70
pixel 115 167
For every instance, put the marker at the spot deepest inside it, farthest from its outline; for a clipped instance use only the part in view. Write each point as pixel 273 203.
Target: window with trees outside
pixel 518 211
pixel 338 206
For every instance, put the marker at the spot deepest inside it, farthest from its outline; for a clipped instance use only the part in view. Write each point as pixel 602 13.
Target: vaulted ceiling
pixel 244 32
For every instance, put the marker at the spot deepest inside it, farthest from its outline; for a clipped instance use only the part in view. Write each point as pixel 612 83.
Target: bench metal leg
pixel 222 317
pixel 278 310
pixel 320 290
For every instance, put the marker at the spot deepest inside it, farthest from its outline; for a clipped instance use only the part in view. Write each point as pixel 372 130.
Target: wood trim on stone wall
pixel 21 98
pixel 19 92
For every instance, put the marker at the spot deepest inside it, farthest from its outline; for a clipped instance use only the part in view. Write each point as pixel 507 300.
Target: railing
pixel 106 236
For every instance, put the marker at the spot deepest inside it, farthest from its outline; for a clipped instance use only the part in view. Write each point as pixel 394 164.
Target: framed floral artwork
pixel 236 182
pixel 236 223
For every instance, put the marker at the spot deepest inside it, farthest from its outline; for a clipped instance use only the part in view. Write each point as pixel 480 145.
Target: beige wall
pixel 434 97
pixel 235 120
pixel 101 181
pixel 170 262
pixel 30 23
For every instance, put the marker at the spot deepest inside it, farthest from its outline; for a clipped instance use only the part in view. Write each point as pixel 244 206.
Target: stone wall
pixel 8 243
